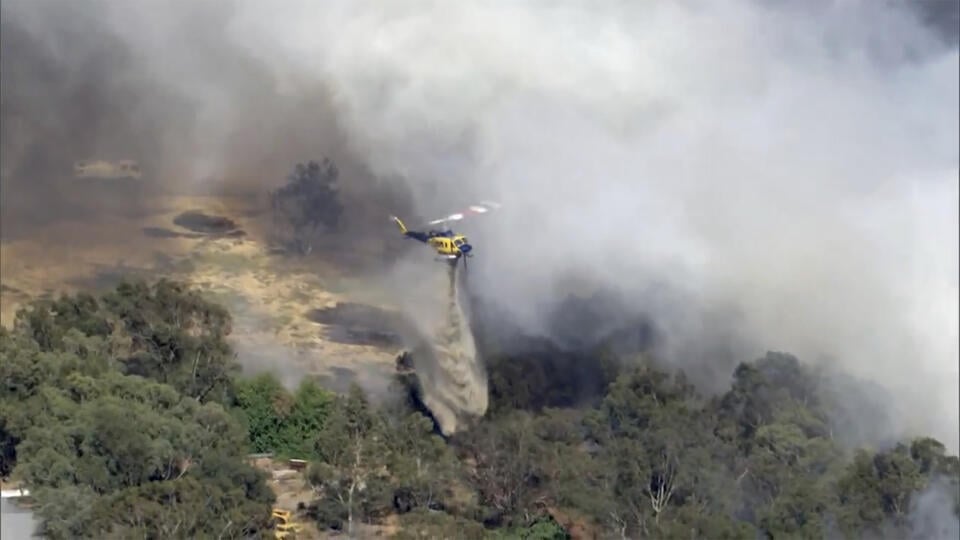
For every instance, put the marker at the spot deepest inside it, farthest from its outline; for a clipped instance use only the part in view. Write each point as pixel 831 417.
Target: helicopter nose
pixel 466 248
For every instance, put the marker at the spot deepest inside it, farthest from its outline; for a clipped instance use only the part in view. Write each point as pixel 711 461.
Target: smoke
pixel 160 83
pixel 452 378
pixel 786 171
pixel 753 175
pixel 932 512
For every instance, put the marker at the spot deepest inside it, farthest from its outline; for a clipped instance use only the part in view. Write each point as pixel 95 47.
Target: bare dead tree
pixel 619 524
pixel 356 479
pixel 661 486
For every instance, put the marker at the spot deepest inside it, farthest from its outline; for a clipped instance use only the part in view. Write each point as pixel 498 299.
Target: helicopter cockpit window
pixel 458 242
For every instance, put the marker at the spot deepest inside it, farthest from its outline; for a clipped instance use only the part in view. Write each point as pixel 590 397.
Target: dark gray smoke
pixel 167 86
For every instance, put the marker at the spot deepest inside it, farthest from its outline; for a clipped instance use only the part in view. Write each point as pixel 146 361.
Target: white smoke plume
pixel 788 170
pixel 799 164
pixel 931 513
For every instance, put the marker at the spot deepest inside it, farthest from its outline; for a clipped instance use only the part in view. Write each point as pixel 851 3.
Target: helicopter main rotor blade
pixel 451 217
pixel 481 208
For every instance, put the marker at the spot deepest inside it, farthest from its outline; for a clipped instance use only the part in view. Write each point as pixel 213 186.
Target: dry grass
pixel 268 294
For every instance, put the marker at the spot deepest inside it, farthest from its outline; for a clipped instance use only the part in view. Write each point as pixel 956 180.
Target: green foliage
pixel 111 412
pixel 370 462
pixel 653 459
pixel 107 453
pixel 350 461
pixel 278 422
pixel 261 401
pixel 876 490
pixel 544 528
pixel 49 320
pixel 176 337
pixel 658 445
pixel 427 525
pixel 164 331
pixel 420 464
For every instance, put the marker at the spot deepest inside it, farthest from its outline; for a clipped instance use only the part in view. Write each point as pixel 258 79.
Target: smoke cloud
pixel 752 174
pixel 931 512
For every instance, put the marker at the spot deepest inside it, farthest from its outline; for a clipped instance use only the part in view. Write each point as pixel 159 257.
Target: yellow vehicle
pixel 282 526
pixel 449 245
pixel 103 169
pixel 287 530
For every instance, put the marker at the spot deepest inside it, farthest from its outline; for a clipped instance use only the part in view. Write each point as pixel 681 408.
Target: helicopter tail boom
pixel 403 228
pixel 423 237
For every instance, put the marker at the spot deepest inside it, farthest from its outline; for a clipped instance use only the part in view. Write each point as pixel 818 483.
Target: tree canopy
pixel 125 415
pixel 113 413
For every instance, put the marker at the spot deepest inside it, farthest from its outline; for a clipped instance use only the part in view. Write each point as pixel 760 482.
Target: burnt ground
pixel 200 225
pixel 201 240
pixel 361 324
pixel 200 222
pixel 161 232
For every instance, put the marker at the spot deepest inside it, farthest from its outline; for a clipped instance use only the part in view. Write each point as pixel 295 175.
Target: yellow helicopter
pixel 449 246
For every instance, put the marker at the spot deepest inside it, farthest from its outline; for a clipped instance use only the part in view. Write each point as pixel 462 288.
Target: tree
pixel 261 401
pixel 876 491
pixel 350 470
pixel 505 469
pixel 544 528
pixel 107 453
pixel 175 336
pixel 278 422
pixel 165 331
pixel 765 391
pixel 423 468
pixel 652 433
pixel 786 483
pixel 125 442
pixel 423 524
pixel 112 412
pixel 309 200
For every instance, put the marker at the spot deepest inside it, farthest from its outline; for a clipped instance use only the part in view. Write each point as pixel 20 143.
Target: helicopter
pixel 450 246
